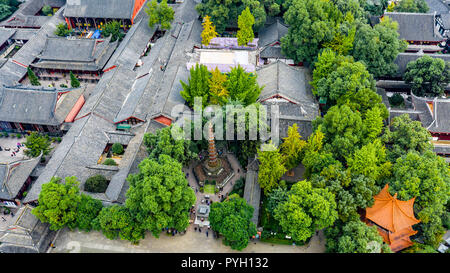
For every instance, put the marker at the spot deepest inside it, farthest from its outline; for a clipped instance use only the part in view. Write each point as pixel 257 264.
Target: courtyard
pixel 191 242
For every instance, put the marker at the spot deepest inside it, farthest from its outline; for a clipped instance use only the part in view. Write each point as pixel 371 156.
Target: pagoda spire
pixel 212 148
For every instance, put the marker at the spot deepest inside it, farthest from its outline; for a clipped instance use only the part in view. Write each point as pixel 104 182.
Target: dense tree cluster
pixel 225 13
pixel 36 144
pixel 61 205
pixel 218 88
pixel 417 6
pixel 160 14
pixel 232 219
pixel 428 76
pixel 341 26
pixel 8 7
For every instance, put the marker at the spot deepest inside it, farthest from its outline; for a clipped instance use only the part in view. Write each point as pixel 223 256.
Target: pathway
pixel 191 242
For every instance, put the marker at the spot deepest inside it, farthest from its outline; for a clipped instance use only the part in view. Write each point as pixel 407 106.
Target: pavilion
pixel 393 218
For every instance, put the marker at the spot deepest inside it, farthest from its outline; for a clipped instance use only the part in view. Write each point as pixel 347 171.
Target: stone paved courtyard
pixel 191 242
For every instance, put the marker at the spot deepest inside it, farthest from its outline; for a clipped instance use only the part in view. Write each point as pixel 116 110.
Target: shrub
pixel 33 78
pixel 5 134
pixel 110 162
pixel 117 148
pixel 47 10
pixel 63 85
pixel 18 135
pixel 58 139
pixel 74 82
pixel 396 100
pixel 96 184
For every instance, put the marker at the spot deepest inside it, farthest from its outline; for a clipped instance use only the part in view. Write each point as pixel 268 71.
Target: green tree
pixel 74 82
pixel 36 144
pixel 159 195
pixel 33 78
pixel 96 183
pixel 218 91
pixel 87 211
pixel 58 203
pixel 292 147
pixel 316 158
pixel 47 10
pixel 352 192
pixel 312 24
pixel 405 135
pixel 232 219
pixel 163 142
pixel 428 76
pixel 276 197
pixel 62 30
pixel 327 62
pixel 425 177
pixel 5 11
pixel 117 148
pixel 355 237
pixel 343 130
pixel 245 23
pixel 109 162
pixel 209 30
pixel 378 47
pixel 197 86
pixel 242 86
pixel 417 6
pixel 370 161
pixel 344 82
pixel 376 8
pixel 225 13
pixel 306 210
pixel 160 14
pixel 271 167
pixel 117 222
pixel 113 29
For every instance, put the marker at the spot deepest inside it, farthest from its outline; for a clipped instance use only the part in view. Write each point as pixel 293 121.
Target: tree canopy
pixel 428 76
pixel 245 23
pixel 159 195
pixel 232 219
pixel 160 13
pixel 36 144
pixel 306 210
pixel 163 142
pixel 271 167
pixel 355 237
pixel 417 6
pixel 58 202
pixel 378 47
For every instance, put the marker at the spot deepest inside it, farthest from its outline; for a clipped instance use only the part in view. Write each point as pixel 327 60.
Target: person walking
pixel 206 233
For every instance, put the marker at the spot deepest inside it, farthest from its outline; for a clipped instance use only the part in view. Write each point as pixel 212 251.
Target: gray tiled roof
pixel 272 52
pixel 16 67
pixel 111 9
pixel 141 91
pixel 403 59
pixel 5 34
pixel 13 176
pixel 437 6
pixel 437 120
pixel 416 26
pixel 34 105
pixel 252 193
pixel 24 34
pixel 272 33
pixel 26 235
pixel 75 54
pixel 287 81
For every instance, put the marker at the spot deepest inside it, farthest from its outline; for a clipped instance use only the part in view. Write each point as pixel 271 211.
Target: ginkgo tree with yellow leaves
pixel 209 31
